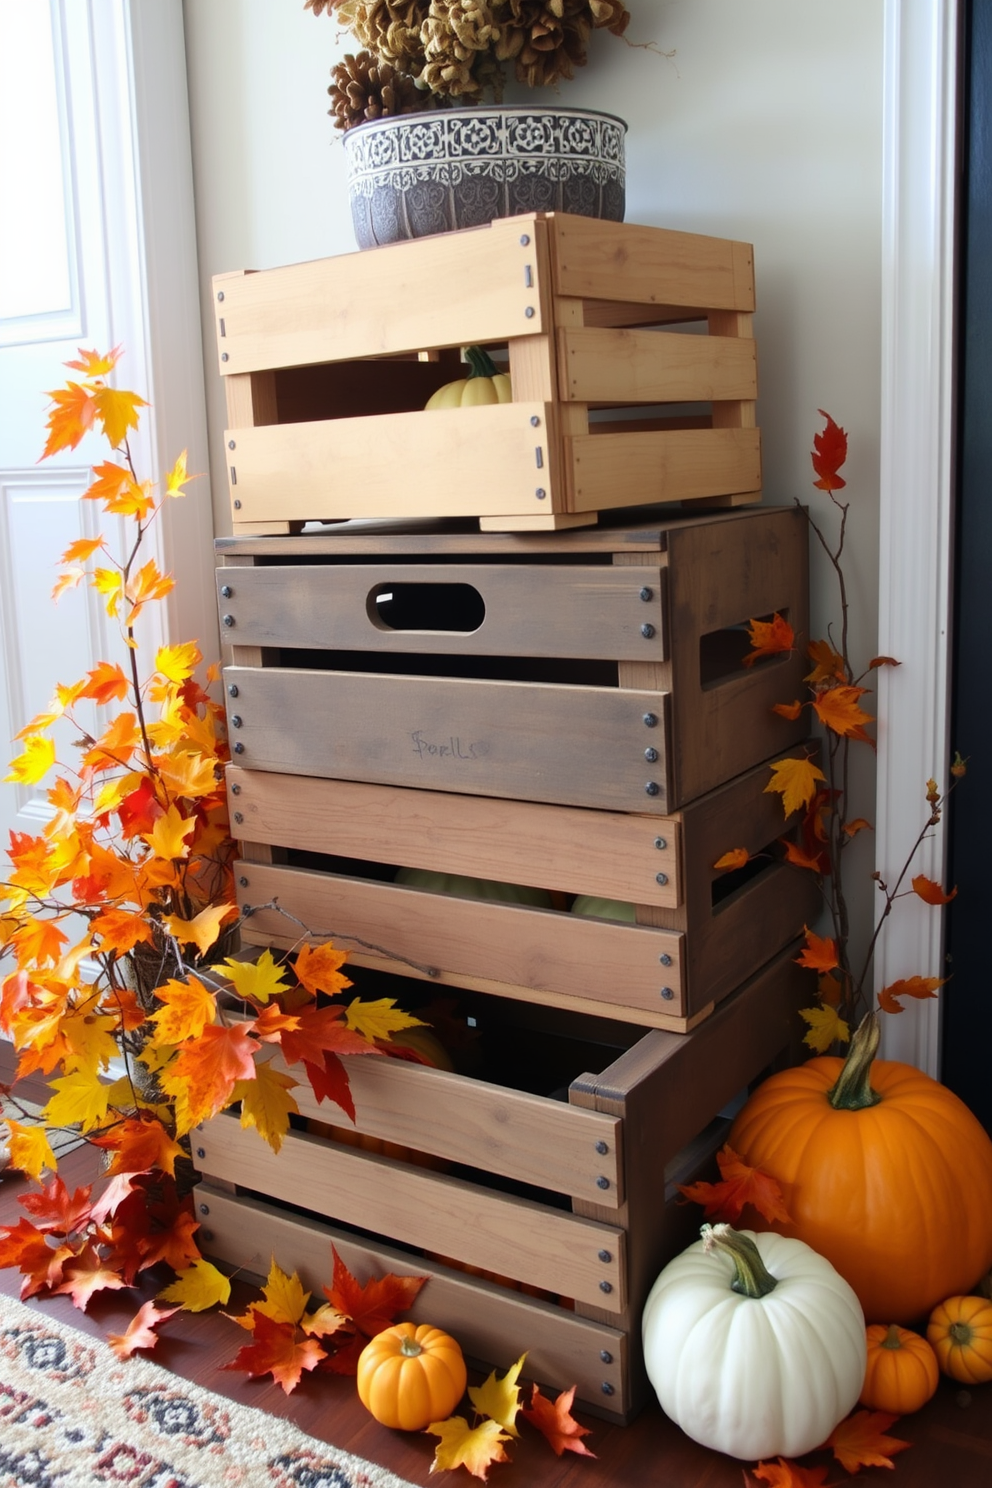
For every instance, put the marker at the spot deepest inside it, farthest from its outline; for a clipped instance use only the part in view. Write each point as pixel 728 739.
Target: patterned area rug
pixel 74 1416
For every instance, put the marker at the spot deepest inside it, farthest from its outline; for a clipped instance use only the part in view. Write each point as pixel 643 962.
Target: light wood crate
pixel 605 1154
pixel 328 365
pixel 600 668
pixel 699 933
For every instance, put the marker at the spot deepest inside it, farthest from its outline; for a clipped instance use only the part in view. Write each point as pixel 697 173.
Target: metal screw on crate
pixel 201 1151
pixel 602 1148
pixel 652 788
pixel 237 506
pixel 606 1387
pixel 647 593
pixel 650 720
pixel 667 993
pixel 232 691
pixel 661 843
pixel 665 959
pixel 602 1181
pixel 226 591
pixel 605 1256
pixel 647 631
pixel 606 1286
pixel 204 1208
pixel 650 754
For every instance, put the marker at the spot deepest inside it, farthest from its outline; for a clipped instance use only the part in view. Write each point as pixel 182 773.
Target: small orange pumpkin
pixel 411 1375
pixel 901 1373
pixel 960 1332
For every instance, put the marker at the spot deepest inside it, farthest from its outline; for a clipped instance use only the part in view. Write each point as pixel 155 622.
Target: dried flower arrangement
pixel 418 54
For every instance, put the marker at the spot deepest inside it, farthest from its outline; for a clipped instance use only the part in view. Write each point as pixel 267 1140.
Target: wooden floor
pixel 952 1437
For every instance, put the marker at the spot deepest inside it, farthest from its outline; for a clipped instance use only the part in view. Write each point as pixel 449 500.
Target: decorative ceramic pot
pixel 418 174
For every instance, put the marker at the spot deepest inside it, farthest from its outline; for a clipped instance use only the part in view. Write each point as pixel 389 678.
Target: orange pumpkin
pixel 960 1331
pixel 411 1375
pixel 901 1373
pixel 883 1171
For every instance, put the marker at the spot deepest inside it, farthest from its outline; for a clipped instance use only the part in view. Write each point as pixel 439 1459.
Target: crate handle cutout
pixel 722 652
pixel 419 607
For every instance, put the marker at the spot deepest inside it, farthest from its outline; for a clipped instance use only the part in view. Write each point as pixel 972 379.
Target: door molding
pixel 139 62
pixel 921 41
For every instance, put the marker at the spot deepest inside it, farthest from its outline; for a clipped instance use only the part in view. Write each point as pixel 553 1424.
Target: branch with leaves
pixel 827 828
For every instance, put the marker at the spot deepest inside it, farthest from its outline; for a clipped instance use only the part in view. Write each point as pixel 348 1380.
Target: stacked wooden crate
pixel 562 712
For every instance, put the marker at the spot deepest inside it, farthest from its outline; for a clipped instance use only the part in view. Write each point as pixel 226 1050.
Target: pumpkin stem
pixel 893 1338
pixel 853 1091
pixel 410 1348
pixel 752 1278
pixel 962 1334
pixel 481 362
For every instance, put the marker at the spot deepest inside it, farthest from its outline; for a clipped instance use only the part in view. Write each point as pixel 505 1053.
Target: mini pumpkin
pixel 960 1331
pixel 901 1374
pixel 411 1375
pixel 484 384
pixel 883 1170
pixel 753 1343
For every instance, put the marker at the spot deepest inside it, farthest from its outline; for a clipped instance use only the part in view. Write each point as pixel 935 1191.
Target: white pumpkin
pixel 754 1344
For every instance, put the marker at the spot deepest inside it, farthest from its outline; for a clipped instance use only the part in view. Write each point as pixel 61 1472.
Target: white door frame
pixel 140 65
pixel 917 447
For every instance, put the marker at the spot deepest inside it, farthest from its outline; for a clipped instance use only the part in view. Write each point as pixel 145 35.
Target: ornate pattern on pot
pixel 418 174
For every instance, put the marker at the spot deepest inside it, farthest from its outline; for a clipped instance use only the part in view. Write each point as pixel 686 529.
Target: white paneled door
pixel 94 159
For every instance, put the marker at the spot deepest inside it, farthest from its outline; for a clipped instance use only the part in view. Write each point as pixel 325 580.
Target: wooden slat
pixel 491 1323
pixel 609 854
pixel 618 366
pixel 610 470
pixel 584 611
pixel 451 290
pixel 610 964
pixel 528 741
pixel 447 462
pixel 514 1237
pixel 522 1136
pixel 649 265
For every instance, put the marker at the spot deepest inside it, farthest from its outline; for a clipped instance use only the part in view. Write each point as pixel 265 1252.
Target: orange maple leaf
pixel 735 858
pixel 739 1185
pixel 322 1030
pixel 880 661
pixel 859 824
pixel 554 1420
pixel 860 1441
pixel 800 857
pixel 25 1246
pixel 81 549
pixel 828 454
pixel 207 1069
pixel 116 746
pixel 838 708
pixel 931 892
pixel 138 1146
pixel 795 781
pixel 786 1474
pixel 85 1274
pixel 374 1306
pixel 95 363
pixel 769 638
pixel 147 584
pixel 70 418
pixel 318 968
pixel 916 986
pixel 828 664
pixel 140 1331
pixel 277 1349
pixel 120 930
pixel 791 711
pixel 105 683
pixel 819 952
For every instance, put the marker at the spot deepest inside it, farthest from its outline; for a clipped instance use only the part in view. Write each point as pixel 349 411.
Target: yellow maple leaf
pixel 266 1103
pixel 177 477
pixel 79 1098
pixel 285 1298
pixel 90 1037
pixel 200 1286
pixel 256 980
pixel 379 1019
pixel 826 1026
pixel 461 1445
pixel 188 1008
pixel 795 781
pixel 110 583
pixel 167 839
pixel 30 1150
pixel 35 762
pixel 203 930
pixel 178 662
pixel 500 1399
pixel 323 1322
pixel 117 411
pixel 192 775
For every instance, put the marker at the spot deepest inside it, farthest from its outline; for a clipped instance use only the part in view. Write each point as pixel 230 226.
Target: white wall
pixel 764 125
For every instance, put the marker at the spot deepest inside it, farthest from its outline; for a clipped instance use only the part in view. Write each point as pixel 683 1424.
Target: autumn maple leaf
pixel 735 858
pixel 826 1027
pixel 500 1398
pixel 58 1210
pixel 931 892
pixel 769 638
pixel 828 454
pixel 85 1274
pixel 25 1246
pixel 860 1441
pixel 266 1103
pixel 739 1185
pixel 140 1331
pixel 461 1445
pixel 277 1349
pixel 200 1286
pixel 318 968
pixel 555 1421
pixel 819 952
pixel 828 664
pixel 374 1305
pixel 786 1474
pixel 838 708
pixel 915 986
pixel 794 779
pixel 30 1150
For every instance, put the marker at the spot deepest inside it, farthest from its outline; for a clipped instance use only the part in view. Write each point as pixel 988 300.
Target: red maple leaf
pixel 739 1185
pixel 555 1421
pixel 55 1209
pixel 26 1247
pixel 374 1306
pixel 86 1273
pixel 322 1029
pixel 279 1349
pixel 329 1081
pixel 828 454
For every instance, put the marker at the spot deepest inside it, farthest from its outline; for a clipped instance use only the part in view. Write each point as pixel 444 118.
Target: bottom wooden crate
pixel 568 1205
